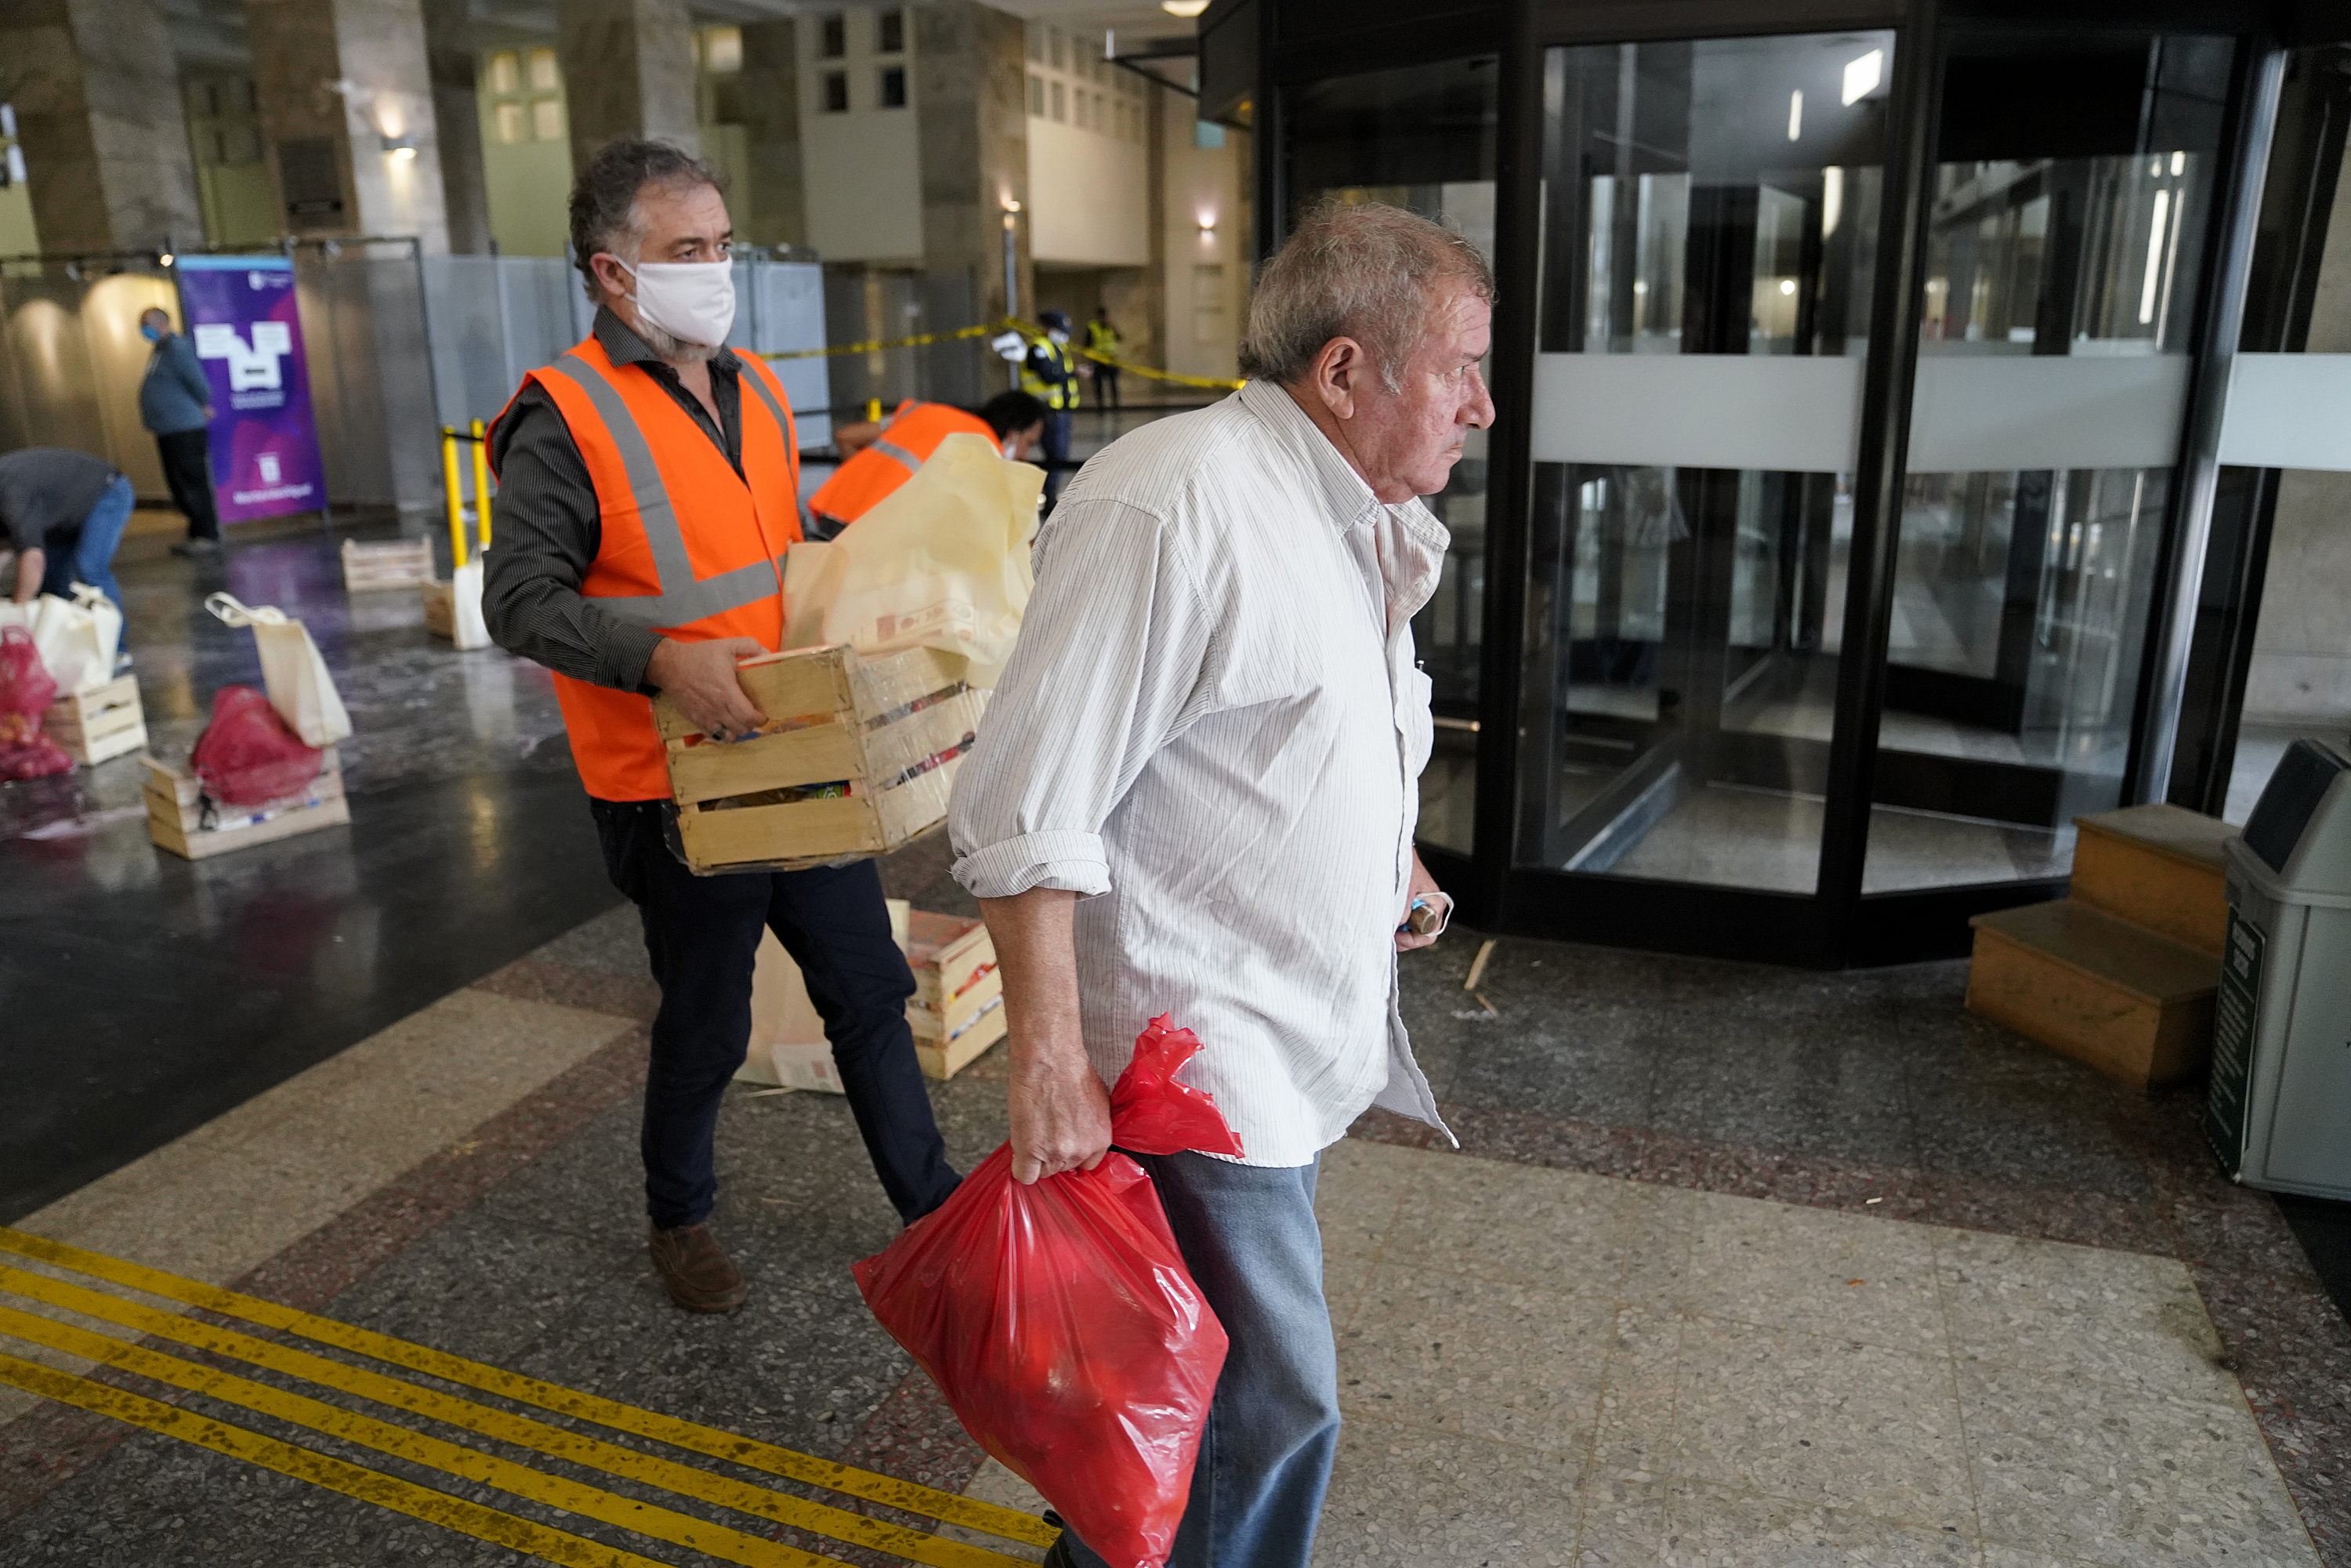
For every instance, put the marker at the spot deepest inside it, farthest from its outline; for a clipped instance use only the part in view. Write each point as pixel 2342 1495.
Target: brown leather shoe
pixel 695 1270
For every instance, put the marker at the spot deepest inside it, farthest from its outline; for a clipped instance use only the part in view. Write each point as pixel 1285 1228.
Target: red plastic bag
pixel 1060 1323
pixel 246 755
pixel 25 692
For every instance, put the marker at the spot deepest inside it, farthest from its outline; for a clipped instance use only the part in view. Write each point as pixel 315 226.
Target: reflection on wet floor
pixel 188 988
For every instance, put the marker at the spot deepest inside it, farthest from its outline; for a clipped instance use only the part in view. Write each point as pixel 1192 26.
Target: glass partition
pixel 2071 203
pixel 1422 139
pixel 1711 219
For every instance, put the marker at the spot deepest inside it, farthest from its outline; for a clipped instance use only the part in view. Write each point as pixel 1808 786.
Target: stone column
pixel 97 91
pixel 336 80
pixel 971 93
pixel 767 105
pixel 628 70
pixel 449 52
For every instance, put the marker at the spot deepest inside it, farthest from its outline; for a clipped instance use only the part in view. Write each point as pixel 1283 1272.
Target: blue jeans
pixel 1248 1233
pixel 91 557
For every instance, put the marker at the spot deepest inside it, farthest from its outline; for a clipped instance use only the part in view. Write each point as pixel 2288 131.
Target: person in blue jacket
pixel 175 405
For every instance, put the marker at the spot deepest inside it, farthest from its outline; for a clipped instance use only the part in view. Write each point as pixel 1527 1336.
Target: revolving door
pixel 1856 364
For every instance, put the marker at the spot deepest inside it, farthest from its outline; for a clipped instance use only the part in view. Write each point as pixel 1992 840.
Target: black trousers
pixel 1106 385
pixel 703 935
pixel 1056 444
pixel 188 470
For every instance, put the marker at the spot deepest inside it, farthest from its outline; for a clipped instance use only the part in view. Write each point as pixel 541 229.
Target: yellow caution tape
pixel 549 1545
pixel 928 1503
pixel 1009 324
pixel 555 1442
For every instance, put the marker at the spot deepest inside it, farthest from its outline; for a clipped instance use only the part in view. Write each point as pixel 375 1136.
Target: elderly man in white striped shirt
pixel 1194 793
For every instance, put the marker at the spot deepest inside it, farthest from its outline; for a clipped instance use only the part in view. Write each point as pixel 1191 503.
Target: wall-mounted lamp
pixel 400 146
pixel 1186 9
pixel 1208 223
pixel 164 258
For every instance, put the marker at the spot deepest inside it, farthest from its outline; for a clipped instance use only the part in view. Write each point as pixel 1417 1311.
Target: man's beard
pixel 670 347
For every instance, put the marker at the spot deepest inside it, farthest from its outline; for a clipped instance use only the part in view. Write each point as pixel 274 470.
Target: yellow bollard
pixel 482 486
pixel 872 411
pixel 449 488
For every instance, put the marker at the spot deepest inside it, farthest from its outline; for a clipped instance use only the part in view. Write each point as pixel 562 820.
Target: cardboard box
pixel 94 726
pixel 856 759
pixel 185 820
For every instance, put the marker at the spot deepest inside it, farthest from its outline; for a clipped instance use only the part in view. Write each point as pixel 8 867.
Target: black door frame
pixel 1838 924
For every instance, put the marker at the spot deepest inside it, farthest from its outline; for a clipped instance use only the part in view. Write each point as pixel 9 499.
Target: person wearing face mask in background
pixel 175 405
pixel 883 457
pixel 1050 374
pixel 648 491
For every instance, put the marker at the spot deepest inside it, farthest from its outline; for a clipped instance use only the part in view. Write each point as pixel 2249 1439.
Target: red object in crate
pixel 26 692
pixel 1060 1323
pixel 248 755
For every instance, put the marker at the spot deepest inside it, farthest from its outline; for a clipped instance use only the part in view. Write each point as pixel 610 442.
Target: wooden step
pixel 2136 1006
pixel 2159 867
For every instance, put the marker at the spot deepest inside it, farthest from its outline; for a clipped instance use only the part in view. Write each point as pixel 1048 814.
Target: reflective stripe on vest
pixel 683 597
pixel 895 453
pixel 871 474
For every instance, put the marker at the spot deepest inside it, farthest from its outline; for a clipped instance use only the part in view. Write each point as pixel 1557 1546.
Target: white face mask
pixel 693 301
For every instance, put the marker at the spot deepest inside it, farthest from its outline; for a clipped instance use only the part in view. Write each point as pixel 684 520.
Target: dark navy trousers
pixel 701 934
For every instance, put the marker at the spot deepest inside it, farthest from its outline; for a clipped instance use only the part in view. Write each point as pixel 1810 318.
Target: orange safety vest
pixel 689 548
pixel 914 433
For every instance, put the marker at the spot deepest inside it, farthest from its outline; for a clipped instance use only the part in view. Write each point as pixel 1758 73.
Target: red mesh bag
pixel 1060 1323
pixel 25 692
pixel 246 755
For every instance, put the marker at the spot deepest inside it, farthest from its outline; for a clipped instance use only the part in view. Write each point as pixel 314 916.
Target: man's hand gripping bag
pixel 1060 1323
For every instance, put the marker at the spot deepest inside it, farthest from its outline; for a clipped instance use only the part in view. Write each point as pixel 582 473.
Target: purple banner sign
pixel 264 444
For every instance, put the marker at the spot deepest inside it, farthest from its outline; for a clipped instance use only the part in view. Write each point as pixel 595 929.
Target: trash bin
pixel 2280 1101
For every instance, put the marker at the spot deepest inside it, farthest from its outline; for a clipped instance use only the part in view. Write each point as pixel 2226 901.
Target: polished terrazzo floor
pixel 1735 1265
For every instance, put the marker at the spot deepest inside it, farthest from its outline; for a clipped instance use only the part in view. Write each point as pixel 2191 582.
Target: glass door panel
pixel 1710 216
pixel 1422 139
pixel 2069 220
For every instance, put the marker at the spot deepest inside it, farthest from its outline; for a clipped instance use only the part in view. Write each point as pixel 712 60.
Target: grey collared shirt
pixel 1213 726
pixel 546 528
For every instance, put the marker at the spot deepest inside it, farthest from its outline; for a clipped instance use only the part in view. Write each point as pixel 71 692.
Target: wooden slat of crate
pixel 914 739
pixel 946 951
pixel 402 563
pixel 714 770
pixel 931 1019
pixel 945 1059
pixel 177 824
pixel 94 726
pixel 440 608
pixel 800 684
pixel 816 831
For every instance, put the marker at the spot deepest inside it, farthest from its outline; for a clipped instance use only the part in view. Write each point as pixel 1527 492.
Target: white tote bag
pixel 76 637
pixel 299 686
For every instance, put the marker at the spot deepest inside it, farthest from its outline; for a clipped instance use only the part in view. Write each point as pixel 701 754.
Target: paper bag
pixel 942 562
pixel 299 686
pixel 468 630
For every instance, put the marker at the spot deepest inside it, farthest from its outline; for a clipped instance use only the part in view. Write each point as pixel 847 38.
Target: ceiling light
pixel 1183 7
pixel 1796 115
pixel 1787 286
pixel 1862 73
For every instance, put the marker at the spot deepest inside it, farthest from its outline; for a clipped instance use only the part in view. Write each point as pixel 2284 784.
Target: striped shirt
pixel 1212 727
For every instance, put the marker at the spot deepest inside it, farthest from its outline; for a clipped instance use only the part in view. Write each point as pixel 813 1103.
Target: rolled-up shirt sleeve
pixel 1111 663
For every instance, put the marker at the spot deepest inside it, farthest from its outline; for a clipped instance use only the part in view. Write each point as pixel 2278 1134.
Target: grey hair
pixel 1363 270
pixel 605 197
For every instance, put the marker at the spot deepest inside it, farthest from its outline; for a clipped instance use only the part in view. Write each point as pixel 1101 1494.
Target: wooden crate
pixel 182 819
pixel 857 759
pixel 957 1010
pixel 92 727
pixel 440 608
pixel 2159 867
pixel 2136 1006
pixel 401 563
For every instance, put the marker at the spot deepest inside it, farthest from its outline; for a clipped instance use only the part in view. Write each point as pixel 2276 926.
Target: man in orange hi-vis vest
pixel 883 457
pixel 649 489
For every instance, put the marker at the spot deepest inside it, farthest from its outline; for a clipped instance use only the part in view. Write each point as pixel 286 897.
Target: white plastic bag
pixel 76 637
pixel 299 686
pixel 942 562
pixel 468 630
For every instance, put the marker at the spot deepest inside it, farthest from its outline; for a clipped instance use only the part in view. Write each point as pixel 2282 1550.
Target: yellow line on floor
pixel 472 1518
pixel 421 1447
pixel 927 1501
pixel 556 1442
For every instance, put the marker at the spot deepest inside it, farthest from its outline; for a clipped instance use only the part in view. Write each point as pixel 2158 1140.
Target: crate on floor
pixel 93 727
pixel 398 563
pixel 957 1011
pixel 856 759
pixel 186 821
